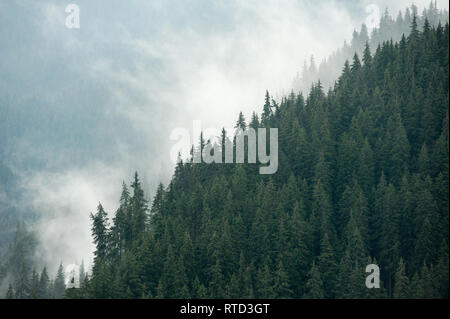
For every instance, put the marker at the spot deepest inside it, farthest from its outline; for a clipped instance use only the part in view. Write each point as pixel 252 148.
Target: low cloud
pixel 65 200
pixel 151 67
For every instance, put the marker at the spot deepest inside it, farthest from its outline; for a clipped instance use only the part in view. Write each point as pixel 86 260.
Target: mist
pixel 134 71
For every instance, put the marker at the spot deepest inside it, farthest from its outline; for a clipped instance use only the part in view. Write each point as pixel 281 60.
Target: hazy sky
pixel 148 67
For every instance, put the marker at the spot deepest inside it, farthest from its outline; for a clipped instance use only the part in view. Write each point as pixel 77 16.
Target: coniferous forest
pixel 390 27
pixel 362 179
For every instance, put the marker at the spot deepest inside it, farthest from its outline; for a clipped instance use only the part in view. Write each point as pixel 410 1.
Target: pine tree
pixel 34 285
pixel 139 208
pixel 22 283
pixel 300 247
pixel 367 57
pixel 216 284
pixel 121 230
pixel 356 65
pixel 170 281
pixel 327 267
pixel 401 282
pixel 314 284
pixel 442 271
pixel 240 123
pixel 44 285
pixel 254 123
pixel 264 283
pixel 59 285
pixel 82 273
pixel 281 286
pixel 157 210
pixel 267 110
pixel 100 232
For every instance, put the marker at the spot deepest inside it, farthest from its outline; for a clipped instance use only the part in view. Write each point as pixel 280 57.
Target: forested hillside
pixel 362 179
pixel 20 277
pixel 390 28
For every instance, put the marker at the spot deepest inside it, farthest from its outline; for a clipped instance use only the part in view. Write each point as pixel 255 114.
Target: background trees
pixel 363 179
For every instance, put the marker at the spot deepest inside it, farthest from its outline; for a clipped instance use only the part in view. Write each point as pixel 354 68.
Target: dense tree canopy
pixel 363 178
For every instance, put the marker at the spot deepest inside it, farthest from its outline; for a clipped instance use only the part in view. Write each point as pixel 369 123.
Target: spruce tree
pixel 314 284
pixel 59 285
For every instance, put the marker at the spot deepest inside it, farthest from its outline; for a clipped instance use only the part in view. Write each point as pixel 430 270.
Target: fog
pixel 134 71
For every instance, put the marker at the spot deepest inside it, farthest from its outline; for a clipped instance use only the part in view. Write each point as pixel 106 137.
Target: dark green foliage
pixel 363 179
pixel 44 285
pixel 401 282
pixel 240 123
pixel 100 232
pixel 59 286
pixel 314 284
pixel 390 27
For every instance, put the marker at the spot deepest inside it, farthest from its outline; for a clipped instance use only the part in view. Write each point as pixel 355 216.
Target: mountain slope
pixel 363 178
pixel 390 28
